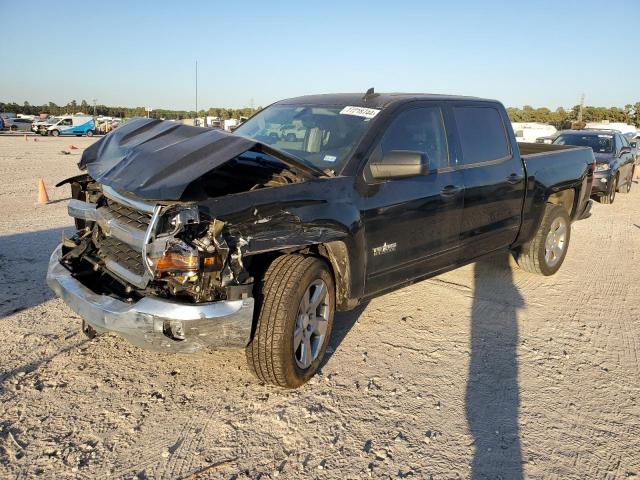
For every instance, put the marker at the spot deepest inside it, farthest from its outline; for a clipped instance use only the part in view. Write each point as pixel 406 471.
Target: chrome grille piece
pixel 122 254
pixel 125 215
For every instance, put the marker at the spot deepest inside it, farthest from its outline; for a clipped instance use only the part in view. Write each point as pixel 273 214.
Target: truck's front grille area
pixel 128 216
pixel 122 254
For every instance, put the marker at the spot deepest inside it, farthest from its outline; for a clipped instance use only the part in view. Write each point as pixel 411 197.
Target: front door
pixel 412 224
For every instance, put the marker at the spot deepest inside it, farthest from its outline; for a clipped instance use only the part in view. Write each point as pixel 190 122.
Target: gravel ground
pixel 484 372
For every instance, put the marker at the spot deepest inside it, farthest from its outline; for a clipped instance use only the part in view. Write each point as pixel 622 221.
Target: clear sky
pixel 541 53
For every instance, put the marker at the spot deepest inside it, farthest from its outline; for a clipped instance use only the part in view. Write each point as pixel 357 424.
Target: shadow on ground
pixel 24 258
pixel 492 394
pixel 343 322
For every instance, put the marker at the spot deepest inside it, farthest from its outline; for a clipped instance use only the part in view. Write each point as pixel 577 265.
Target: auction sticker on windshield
pixel 360 111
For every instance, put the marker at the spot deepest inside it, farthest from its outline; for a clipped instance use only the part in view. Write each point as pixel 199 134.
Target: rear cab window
pixel 482 134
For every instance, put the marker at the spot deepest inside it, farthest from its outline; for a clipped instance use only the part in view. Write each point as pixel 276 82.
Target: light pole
pixel 195 121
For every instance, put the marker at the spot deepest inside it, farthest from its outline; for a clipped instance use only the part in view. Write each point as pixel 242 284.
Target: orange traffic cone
pixel 43 198
pixel 72 147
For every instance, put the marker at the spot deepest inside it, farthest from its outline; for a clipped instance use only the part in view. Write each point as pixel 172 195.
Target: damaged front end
pixel 155 257
pixel 166 251
pixel 158 274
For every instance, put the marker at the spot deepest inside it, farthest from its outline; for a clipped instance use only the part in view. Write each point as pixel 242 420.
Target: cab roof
pixel 375 100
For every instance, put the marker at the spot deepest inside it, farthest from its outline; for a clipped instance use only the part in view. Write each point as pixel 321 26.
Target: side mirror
pixel 624 150
pixel 399 164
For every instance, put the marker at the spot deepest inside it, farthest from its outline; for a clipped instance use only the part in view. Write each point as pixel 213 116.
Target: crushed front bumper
pixel 152 322
pixel 601 184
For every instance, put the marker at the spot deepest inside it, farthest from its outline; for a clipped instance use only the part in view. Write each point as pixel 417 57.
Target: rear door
pixel 494 178
pixel 412 224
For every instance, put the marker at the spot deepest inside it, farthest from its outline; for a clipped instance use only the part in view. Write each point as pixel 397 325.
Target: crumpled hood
pixel 157 160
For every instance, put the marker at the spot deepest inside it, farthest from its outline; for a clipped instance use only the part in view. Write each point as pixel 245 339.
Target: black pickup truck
pixel 190 238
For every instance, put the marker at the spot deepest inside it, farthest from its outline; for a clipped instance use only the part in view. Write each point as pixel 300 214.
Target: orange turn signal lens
pixel 176 262
pixel 210 262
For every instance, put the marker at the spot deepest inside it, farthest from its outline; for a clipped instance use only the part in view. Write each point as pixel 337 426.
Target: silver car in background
pixel 17 124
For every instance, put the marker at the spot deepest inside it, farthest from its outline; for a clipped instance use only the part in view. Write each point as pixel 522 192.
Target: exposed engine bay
pixel 128 248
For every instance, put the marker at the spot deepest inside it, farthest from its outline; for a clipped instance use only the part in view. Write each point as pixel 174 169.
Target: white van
pixel 71 125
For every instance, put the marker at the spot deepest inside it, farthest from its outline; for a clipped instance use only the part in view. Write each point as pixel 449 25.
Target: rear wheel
pixel 546 251
pixel 13 128
pixel 295 307
pixel 90 133
pixel 610 196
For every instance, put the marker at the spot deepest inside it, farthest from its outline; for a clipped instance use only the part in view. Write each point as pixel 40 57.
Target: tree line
pixel 561 118
pixel 73 107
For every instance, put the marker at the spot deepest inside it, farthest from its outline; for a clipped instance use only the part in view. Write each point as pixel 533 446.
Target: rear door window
pixel 483 137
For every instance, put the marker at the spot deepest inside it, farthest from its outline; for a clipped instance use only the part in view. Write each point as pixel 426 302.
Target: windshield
pixel 324 136
pixel 599 143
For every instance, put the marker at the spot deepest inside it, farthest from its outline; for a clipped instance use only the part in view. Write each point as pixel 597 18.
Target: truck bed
pixel 527 149
pixel 553 168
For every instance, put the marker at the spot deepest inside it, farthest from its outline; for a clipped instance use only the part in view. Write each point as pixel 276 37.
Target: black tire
pixel 531 256
pixel 270 354
pixel 13 128
pixel 610 196
pixel 90 133
pixel 55 133
pixel 626 188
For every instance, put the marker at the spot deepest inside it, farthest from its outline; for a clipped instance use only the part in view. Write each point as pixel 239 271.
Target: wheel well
pixel 337 257
pixel 566 198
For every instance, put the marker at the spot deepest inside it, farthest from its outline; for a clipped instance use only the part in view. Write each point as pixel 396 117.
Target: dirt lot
pixel 486 371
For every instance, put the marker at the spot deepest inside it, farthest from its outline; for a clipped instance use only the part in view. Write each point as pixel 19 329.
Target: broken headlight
pixel 179 257
pixel 186 260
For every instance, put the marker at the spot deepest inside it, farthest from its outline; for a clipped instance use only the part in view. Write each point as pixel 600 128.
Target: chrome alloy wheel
pixel 311 324
pixel 556 242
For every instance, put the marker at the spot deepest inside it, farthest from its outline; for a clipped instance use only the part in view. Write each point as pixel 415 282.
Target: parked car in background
pixel 69 125
pixel 4 117
pixel 18 124
pixel 189 238
pixel 547 140
pixel 614 160
pixel 41 126
pixel 529 132
pixel 634 142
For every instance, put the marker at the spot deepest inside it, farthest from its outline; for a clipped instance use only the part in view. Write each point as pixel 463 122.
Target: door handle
pixel 514 178
pixel 450 191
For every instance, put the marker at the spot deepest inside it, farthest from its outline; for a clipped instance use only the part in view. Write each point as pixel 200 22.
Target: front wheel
pixel 546 251
pixel 295 305
pixel 55 133
pixel 610 196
